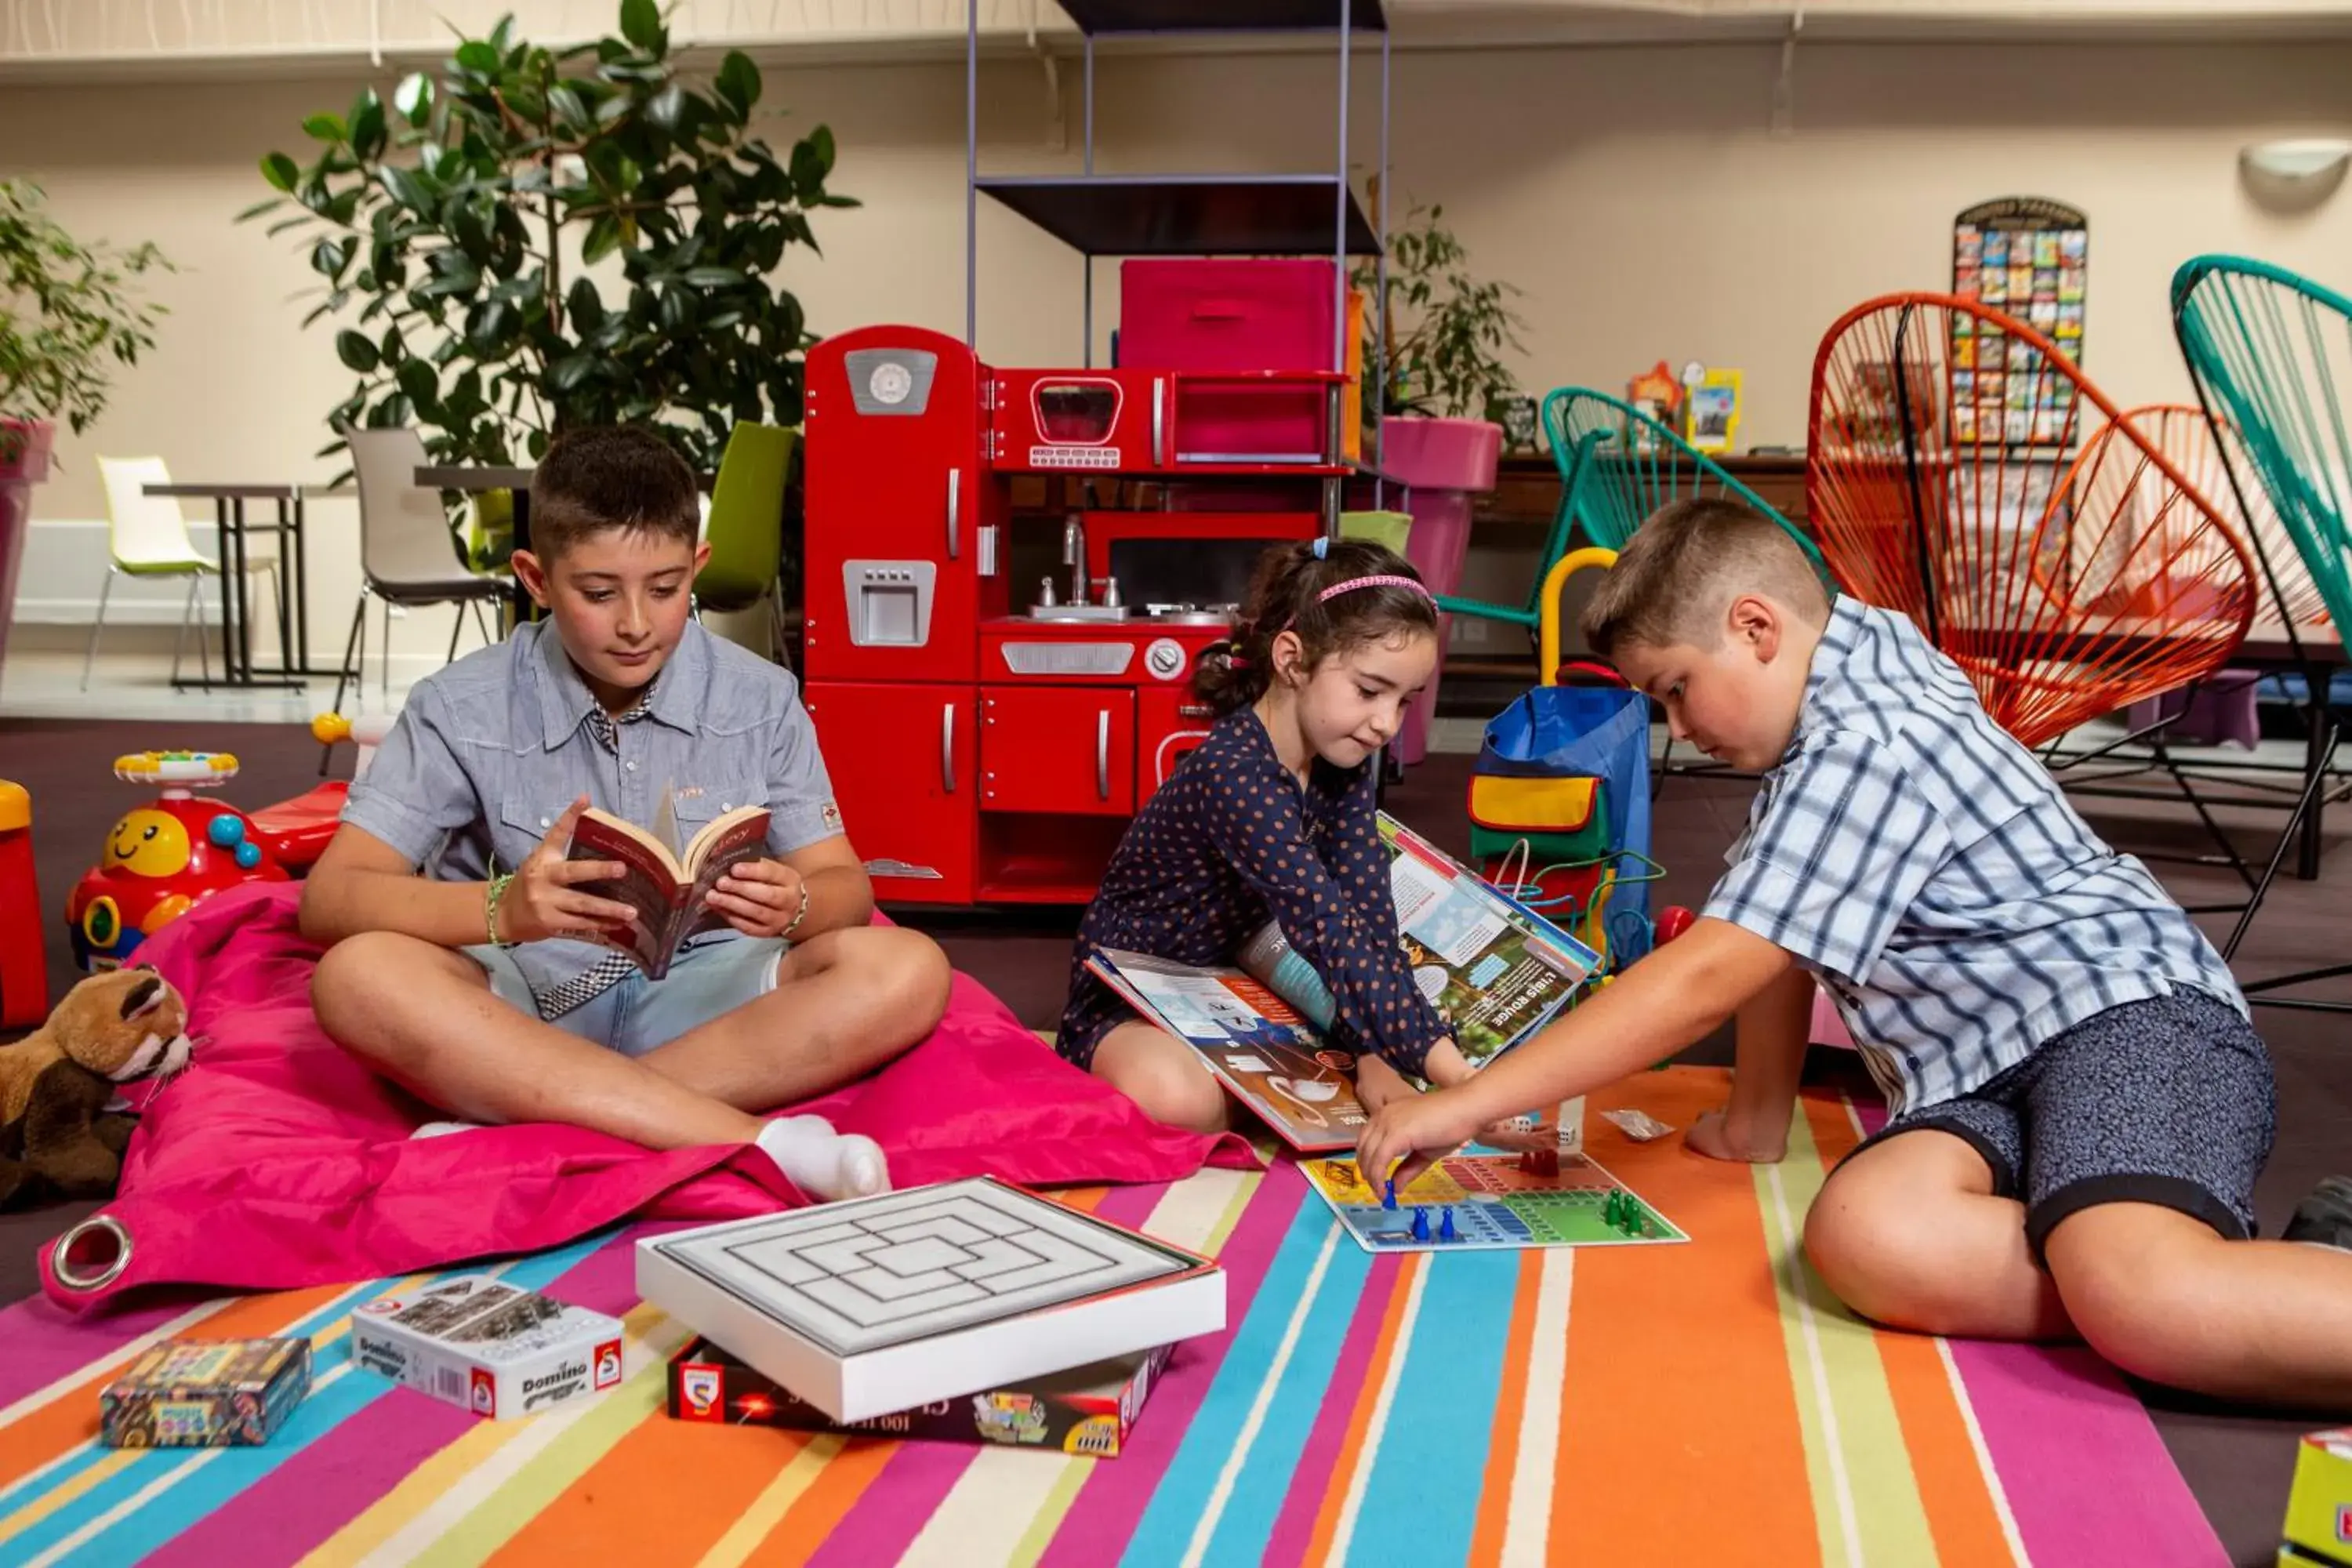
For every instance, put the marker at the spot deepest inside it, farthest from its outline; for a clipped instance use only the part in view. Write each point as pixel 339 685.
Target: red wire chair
pixel 2068 577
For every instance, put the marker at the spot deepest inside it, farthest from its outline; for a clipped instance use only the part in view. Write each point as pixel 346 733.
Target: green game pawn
pixel 1610 1211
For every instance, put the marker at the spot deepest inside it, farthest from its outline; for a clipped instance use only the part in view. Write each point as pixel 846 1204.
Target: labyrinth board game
pixel 868 1306
pixel 1488 1201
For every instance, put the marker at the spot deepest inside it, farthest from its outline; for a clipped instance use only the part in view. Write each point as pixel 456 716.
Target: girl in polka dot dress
pixel 1273 818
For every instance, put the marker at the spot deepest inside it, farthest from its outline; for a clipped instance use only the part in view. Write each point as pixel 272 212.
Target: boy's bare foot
pixel 1718 1137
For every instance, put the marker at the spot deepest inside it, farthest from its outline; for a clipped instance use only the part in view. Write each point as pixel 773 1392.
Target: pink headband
pixel 1352 583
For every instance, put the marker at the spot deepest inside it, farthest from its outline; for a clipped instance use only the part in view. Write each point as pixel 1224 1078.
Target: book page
pixel 724 844
pixel 648 887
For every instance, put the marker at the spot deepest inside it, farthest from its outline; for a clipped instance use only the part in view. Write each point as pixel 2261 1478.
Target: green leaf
pixel 567 373
pixel 328 256
pixel 738 82
pixel 478 57
pixel 641 24
pixel 604 238
pixel 572 111
pixel 408 188
pixel 413 98
pixel 280 171
pixel 417 379
pixel 368 129
pixel 713 277
pixel 666 109
pixel 356 351
pixel 257 208
pixel 324 127
pixel 587 308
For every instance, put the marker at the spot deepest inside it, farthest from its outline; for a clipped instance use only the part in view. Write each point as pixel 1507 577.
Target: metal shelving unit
pixel 1193 214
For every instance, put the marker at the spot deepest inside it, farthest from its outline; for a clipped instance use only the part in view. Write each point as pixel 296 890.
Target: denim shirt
pixel 487 753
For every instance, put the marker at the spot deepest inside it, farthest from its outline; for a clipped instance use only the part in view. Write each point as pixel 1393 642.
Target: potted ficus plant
pixel 534 238
pixel 70 314
pixel 1441 333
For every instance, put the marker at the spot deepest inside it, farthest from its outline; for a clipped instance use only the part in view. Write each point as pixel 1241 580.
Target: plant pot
pixel 1446 462
pixel 24 447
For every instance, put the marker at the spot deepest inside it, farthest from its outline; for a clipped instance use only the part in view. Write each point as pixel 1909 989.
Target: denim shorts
pixel 709 979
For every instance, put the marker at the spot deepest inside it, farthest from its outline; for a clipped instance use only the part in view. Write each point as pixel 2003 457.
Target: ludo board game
pixel 1466 1202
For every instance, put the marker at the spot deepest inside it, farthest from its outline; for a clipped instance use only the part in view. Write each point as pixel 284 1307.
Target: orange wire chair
pixel 2068 573
pixel 2283 586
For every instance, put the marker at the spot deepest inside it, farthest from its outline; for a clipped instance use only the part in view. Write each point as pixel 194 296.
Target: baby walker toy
pixel 164 859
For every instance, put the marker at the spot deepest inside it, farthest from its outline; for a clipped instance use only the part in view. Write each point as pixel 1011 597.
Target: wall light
pixel 2296 174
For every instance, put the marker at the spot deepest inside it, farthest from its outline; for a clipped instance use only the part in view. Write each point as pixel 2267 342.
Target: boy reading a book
pixel 469 985
pixel 2078 1105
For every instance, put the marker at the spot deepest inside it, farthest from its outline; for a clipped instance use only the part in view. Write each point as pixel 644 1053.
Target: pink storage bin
pixel 1448 462
pixel 1186 314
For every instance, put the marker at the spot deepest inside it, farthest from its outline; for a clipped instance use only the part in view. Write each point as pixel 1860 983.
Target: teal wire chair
pixel 1617 466
pixel 2270 353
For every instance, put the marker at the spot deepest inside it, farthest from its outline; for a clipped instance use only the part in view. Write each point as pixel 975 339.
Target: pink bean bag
pixel 276 1161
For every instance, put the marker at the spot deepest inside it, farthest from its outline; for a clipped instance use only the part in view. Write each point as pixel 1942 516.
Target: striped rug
pixel 1706 1403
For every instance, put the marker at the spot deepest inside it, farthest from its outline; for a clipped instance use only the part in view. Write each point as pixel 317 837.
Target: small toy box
pixel 495 1348
pixel 2319 1508
pixel 1086 1410
pixel 1247 314
pixel 204 1394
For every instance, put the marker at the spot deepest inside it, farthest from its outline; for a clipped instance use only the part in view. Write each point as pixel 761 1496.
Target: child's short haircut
pixel 610 476
pixel 1686 563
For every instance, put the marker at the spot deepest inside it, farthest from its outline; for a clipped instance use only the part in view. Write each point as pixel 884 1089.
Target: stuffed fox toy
pixel 57 1138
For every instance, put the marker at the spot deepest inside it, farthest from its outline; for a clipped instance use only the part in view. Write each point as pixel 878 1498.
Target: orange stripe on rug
pixel 71 1418
pixel 803 1530
pixel 1962 1517
pixel 1486 1537
pixel 612 1512
pixel 1385 1349
pixel 1722 1481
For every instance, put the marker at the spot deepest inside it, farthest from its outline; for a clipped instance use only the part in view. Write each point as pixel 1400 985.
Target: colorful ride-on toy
pixel 162 858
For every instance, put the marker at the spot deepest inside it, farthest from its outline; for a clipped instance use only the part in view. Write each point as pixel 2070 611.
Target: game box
pixel 1086 1410
pixel 204 1394
pixel 2319 1507
pixel 878 1305
pixel 494 1348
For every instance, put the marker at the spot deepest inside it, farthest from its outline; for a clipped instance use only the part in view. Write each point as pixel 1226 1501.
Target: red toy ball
pixel 1672 920
pixel 163 858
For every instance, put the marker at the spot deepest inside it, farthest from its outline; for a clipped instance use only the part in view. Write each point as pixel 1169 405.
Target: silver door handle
pixel 1158 422
pixel 955 513
pixel 1102 753
pixel 947 747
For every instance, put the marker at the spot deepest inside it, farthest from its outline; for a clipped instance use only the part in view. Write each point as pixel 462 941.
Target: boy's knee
pixel 902 972
pixel 365 981
pixel 2128 1274
pixel 1871 1251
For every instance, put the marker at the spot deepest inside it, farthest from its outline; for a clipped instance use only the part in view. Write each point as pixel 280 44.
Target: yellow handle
pixel 1548 627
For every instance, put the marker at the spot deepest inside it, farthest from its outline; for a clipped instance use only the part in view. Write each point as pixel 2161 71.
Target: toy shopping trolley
pixel 1559 802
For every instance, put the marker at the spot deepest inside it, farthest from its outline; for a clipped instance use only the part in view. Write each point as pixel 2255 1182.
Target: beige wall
pixel 1637 197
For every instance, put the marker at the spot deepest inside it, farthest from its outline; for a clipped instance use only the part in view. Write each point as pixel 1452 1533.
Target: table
pixel 480 481
pixel 293 584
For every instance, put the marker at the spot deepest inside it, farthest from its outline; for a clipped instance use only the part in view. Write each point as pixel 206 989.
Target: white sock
pixel 825 1164
pixel 443 1129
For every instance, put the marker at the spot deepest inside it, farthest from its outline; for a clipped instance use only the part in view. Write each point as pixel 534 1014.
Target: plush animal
pixel 58 1139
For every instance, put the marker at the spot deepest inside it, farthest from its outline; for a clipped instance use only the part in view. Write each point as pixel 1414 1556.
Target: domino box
pixel 494 1348
pixel 2319 1507
pixel 1088 1410
pixel 204 1394
pixel 873 1306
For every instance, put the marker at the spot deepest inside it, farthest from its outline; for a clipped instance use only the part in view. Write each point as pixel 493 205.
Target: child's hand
pixel 1715 1136
pixel 760 898
pixel 1377 1083
pixel 1419 1130
pixel 543 899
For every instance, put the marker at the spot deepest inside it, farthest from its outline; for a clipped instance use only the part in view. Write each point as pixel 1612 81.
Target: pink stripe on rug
pixel 1103 1517
pixel 1130 1207
pixel 895 1506
pixel 2083 1466
pixel 287 1514
pixel 45 1343
pixel 1318 1461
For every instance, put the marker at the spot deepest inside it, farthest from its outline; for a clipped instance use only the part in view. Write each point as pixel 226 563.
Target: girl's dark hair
pixel 1286 595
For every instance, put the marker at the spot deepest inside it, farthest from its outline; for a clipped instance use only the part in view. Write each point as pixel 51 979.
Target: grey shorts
pixel 708 980
pixel 2167 1101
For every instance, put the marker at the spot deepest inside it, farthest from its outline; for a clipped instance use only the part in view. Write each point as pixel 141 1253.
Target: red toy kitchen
pixel 1011 575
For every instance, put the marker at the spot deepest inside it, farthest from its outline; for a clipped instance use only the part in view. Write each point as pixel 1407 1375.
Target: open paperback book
pixel 668 884
pixel 1496 971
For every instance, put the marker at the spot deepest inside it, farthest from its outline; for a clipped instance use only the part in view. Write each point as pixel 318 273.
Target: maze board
pixel 857 1276
pixel 1495 1203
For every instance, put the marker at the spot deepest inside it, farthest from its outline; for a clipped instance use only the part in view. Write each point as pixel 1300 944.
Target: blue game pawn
pixel 1388 1194
pixel 1446 1225
pixel 1420 1224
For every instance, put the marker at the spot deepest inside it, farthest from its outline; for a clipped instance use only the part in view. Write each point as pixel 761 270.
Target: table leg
pixel 302 583
pixel 237 651
pixel 524 610
pixel 282 582
pixel 2316 747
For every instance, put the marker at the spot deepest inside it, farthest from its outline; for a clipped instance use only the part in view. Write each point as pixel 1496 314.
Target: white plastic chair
pixel 147 536
pixel 406 554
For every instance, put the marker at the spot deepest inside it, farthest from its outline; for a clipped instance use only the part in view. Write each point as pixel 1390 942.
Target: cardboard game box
pixel 204 1394
pixel 874 1306
pixel 2319 1508
pixel 1088 1410
pixel 494 1348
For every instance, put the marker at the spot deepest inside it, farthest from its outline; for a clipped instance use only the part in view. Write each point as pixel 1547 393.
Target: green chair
pixel 746 525
pixel 1617 466
pixel 2271 355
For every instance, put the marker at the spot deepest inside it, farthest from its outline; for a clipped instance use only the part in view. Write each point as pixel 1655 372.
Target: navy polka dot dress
pixel 1232 841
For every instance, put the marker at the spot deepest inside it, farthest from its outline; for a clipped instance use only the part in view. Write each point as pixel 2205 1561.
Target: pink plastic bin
pixel 1447 462
pixel 1226 315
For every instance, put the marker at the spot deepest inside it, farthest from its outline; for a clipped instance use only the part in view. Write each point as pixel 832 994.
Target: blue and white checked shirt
pixel 487 753
pixel 1912 854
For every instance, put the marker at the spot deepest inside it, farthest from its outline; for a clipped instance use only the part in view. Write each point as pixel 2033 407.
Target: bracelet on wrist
pixel 798 915
pixel 498 889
